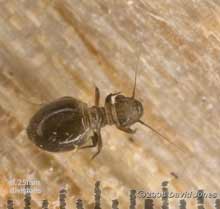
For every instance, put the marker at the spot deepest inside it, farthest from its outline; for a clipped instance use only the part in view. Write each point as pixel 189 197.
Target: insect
pixel 68 123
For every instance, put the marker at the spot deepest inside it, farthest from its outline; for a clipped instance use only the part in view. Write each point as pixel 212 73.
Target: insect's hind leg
pixel 94 143
pixel 97 96
pixel 98 137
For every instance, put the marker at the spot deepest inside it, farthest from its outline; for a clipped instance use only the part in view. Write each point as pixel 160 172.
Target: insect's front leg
pixel 127 129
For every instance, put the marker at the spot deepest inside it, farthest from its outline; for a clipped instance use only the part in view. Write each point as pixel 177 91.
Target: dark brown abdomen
pixel 55 126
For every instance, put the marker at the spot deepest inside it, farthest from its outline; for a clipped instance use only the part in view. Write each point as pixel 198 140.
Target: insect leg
pixel 127 129
pixel 94 143
pixel 98 137
pixel 97 96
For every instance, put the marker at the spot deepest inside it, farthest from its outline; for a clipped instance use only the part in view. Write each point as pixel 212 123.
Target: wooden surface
pixel 50 49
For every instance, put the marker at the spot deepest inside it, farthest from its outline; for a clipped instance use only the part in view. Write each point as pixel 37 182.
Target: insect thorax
pixel 94 117
pixel 125 111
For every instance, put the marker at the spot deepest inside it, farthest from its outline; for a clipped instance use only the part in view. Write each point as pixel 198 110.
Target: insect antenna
pixel 135 78
pixel 134 88
pixel 165 138
pixel 187 162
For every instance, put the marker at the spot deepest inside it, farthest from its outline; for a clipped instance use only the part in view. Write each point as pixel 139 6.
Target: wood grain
pixel 50 49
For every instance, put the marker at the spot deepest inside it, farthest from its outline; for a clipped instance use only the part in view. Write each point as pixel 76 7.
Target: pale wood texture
pixel 50 49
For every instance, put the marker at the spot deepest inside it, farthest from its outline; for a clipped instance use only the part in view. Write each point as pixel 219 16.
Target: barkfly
pixel 68 123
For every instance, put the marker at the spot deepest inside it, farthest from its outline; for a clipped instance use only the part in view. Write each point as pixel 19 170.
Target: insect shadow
pixel 68 123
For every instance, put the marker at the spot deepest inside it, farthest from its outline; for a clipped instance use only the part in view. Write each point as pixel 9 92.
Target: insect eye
pixel 119 98
pixel 139 107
